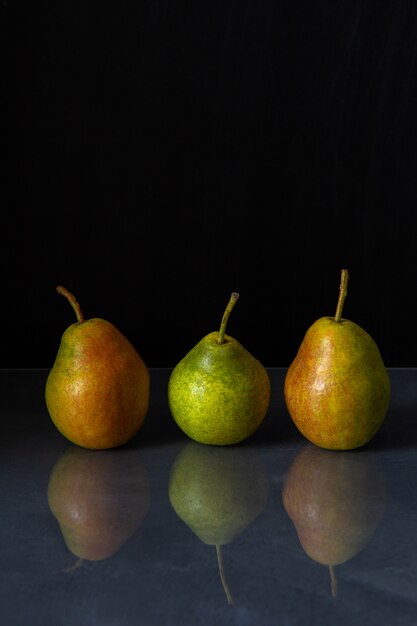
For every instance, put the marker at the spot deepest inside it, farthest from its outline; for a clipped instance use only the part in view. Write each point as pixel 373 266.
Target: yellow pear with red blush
pixel 97 392
pixel 337 389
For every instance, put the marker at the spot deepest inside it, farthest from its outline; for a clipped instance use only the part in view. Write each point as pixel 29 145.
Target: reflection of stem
pixel 333 580
pixel 222 574
pixel 75 565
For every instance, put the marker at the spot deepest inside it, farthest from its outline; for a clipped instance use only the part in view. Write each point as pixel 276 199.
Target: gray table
pixel 142 565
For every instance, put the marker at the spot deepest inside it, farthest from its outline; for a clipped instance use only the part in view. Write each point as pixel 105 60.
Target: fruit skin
pixel 97 392
pixel 217 492
pixel 335 500
pixel 337 389
pixel 219 393
pixel 99 499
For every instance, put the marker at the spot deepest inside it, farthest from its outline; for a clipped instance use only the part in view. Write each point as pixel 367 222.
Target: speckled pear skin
pixel 219 393
pixel 217 491
pixel 97 392
pixel 337 389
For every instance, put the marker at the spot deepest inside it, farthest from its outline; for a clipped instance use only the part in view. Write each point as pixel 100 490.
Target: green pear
pixel 97 392
pixel 336 501
pixel 337 389
pixel 99 499
pixel 219 393
pixel 218 492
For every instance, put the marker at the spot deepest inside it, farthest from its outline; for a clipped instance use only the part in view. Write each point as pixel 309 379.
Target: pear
pixel 97 392
pixel 99 499
pixel 336 500
pixel 218 492
pixel 219 393
pixel 337 389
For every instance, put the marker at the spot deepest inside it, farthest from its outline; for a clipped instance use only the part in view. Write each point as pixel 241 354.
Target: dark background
pixel 161 154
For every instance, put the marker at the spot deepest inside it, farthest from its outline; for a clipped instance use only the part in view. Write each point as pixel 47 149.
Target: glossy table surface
pixel 105 537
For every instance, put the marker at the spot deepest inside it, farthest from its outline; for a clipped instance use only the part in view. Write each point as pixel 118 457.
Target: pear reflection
pixel 99 499
pixel 335 500
pixel 218 492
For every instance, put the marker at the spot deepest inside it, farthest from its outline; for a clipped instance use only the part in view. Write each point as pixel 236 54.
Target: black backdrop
pixel 160 154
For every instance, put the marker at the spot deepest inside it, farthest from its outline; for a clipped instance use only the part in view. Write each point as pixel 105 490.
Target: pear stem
pixel 222 574
pixel 342 295
pixel 333 580
pixel 233 299
pixel 73 302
